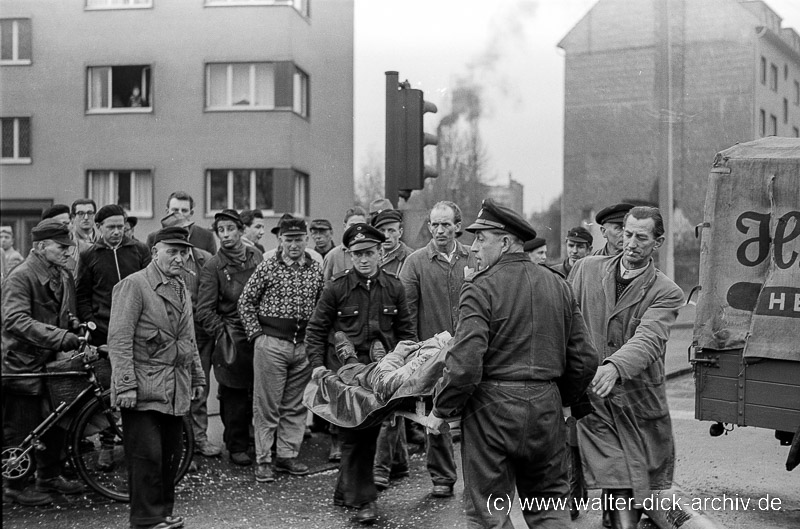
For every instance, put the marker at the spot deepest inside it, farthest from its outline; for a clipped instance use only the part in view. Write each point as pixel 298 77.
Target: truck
pixel 745 350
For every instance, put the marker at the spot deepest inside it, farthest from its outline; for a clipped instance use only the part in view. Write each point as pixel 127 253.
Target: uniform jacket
pixel 393 261
pixel 152 345
pixel 630 334
pixel 365 310
pixel 433 287
pixel 563 267
pixel 221 283
pixel 518 321
pixel 100 268
pixel 35 320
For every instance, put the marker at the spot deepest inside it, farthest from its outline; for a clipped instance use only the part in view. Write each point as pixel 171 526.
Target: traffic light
pixel 406 139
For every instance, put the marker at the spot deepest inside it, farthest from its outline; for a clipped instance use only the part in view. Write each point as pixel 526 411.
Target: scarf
pixel 237 254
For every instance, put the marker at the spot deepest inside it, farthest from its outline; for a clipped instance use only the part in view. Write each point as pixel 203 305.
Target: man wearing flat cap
pixel 275 306
pixel 579 245
pixel 365 309
pixel 38 309
pixel 610 221
pixel 111 258
pixel 276 231
pixel 322 235
pixel 521 349
pixel 155 374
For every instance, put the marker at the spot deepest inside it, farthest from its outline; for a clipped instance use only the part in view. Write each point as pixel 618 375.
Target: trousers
pixel 153 444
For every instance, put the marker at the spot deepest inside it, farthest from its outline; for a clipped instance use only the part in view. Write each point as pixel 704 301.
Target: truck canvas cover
pixel 750 252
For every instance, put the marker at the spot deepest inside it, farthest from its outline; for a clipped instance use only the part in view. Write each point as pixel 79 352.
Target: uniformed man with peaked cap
pixel 367 305
pixel 520 352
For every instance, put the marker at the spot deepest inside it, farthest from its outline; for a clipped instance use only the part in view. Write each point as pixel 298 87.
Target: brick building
pixel 244 104
pixel 657 87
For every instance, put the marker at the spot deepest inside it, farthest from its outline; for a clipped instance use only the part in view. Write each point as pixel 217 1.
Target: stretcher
pixel 353 406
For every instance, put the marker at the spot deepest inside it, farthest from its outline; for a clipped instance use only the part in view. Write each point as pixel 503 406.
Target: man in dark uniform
pixel 610 221
pixel 521 348
pixel 369 306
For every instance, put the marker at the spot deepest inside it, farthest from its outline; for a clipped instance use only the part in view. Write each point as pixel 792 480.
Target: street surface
pixel 746 464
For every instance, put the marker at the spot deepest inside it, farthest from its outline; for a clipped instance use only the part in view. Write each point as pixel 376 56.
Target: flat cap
pixel 613 213
pixel 54 230
pixel 580 234
pixel 360 236
pixel 277 228
pixel 6 229
pixel 171 220
pixel 293 226
pixel 380 204
pixel 229 214
pixel 533 244
pixel 493 216
pixel 55 209
pixel 173 235
pixel 385 217
pixel 321 224
pixel 109 210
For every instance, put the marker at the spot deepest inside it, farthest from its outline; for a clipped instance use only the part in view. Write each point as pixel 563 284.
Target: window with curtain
pixel 15 41
pixel 119 89
pixel 270 190
pixel 256 86
pixel 131 189
pixel 16 140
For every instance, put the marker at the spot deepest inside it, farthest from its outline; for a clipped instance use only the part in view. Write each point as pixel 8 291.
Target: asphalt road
pixel 747 464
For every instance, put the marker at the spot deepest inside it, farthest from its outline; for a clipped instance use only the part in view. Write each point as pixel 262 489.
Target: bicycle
pixel 94 432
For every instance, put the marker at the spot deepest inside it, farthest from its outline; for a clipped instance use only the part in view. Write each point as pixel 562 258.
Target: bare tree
pixel 369 182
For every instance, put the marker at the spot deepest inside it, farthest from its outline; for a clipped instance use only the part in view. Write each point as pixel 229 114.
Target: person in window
pixel 136 98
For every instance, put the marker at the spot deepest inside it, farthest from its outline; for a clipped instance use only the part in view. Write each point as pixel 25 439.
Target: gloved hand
pixel 70 342
pixel 318 372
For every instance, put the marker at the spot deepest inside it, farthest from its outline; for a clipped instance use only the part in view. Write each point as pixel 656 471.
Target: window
pixel 133 190
pixel 256 86
pixel 119 89
pixel 118 4
pixel 270 190
pixel 15 41
pixel 300 5
pixel 763 71
pixel 785 110
pixel 796 93
pixel 762 129
pixel 773 77
pixel 773 123
pixel 16 140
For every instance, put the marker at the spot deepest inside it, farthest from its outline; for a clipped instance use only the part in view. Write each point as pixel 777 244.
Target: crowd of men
pixel 532 344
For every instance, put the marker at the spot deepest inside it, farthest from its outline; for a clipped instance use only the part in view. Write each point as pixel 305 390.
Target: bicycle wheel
pixel 99 456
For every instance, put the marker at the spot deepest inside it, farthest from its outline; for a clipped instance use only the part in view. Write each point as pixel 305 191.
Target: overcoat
pixel 628 443
pixel 152 345
pixel 35 320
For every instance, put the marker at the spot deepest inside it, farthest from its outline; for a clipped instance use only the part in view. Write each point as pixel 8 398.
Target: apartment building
pixel 654 88
pixel 241 103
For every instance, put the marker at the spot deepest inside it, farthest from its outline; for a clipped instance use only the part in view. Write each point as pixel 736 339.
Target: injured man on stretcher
pixel 388 371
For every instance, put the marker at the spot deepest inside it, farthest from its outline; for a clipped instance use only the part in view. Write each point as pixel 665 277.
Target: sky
pixel 508 48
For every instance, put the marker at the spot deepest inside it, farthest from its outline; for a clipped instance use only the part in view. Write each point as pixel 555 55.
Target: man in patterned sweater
pixel 275 307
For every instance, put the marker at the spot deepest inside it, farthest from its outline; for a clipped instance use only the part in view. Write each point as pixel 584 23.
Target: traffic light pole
pixel 395 142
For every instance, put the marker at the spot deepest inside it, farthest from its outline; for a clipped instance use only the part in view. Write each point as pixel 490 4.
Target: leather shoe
pixel 59 484
pixel 241 459
pixel 442 491
pixel 27 496
pixel 175 521
pixel 381 483
pixel 344 347
pixel 291 465
pixel 366 514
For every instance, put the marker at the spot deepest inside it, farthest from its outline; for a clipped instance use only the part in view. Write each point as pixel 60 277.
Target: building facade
pixel 241 103
pixel 654 89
